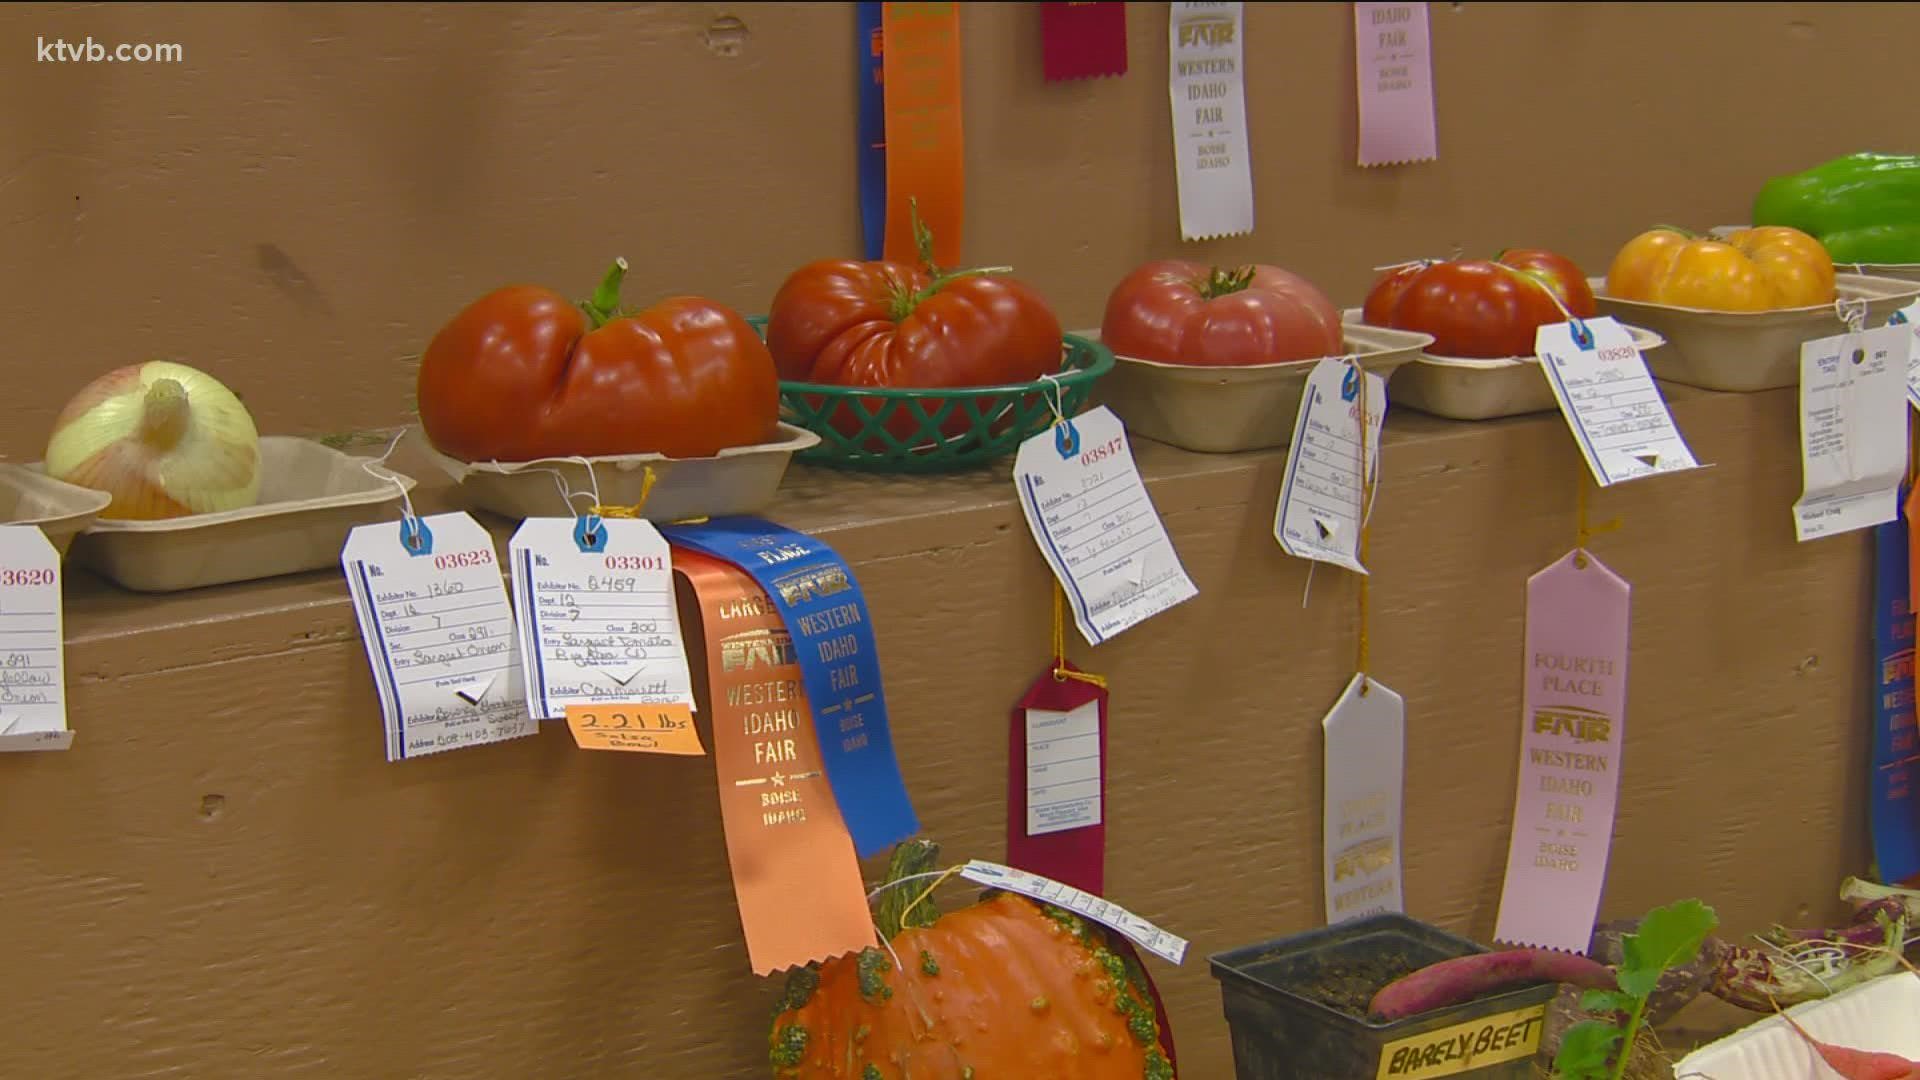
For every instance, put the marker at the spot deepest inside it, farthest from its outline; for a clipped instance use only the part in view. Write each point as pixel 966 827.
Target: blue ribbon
pixel 826 615
pixel 871 129
pixel 1895 791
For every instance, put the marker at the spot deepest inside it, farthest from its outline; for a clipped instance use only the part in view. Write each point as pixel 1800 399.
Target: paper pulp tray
pixel 1747 351
pixel 1461 388
pixel 61 510
pixel 311 497
pixel 738 480
pixel 1223 410
pixel 1882 1015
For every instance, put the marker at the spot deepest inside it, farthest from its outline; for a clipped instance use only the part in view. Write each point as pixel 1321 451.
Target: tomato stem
pixel 605 303
pixel 1222 282
pixel 1688 233
pixel 1539 279
pixel 901 300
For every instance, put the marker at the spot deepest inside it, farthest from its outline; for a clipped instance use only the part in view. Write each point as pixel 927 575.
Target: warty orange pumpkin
pixel 1006 989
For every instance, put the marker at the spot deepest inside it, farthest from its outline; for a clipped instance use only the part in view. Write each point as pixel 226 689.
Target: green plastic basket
pixel 928 431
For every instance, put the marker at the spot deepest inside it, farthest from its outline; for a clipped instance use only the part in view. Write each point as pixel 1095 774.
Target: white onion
pixel 164 439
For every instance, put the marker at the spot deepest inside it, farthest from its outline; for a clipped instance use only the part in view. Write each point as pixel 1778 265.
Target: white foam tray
pixel 1882 1015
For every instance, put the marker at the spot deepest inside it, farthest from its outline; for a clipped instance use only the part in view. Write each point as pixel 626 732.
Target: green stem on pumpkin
pixel 891 915
pixel 605 303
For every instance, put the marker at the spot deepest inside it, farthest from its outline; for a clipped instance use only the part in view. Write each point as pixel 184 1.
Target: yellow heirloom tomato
pixel 1762 269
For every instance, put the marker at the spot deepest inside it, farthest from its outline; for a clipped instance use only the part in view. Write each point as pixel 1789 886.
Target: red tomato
pixel 889 324
pixel 522 373
pixel 1478 308
pixel 1179 312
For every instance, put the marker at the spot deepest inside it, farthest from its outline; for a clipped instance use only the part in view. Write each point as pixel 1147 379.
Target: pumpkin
pixel 1006 989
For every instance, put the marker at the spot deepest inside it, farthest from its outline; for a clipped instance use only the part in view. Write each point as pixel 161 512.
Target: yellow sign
pixel 646 729
pixel 1491 1040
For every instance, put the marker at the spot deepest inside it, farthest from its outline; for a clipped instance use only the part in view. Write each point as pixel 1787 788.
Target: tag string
pixel 1061 673
pixel 1363 645
pixel 646 489
pixel 1585 530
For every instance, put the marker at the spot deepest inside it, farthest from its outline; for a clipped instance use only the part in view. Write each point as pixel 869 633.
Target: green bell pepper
pixel 1865 208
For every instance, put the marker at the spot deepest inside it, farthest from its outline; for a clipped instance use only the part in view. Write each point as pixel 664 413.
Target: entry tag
pixel 1321 497
pixel 1206 85
pixel 1096 527
pixel 1395 69
pixel 1361 820
pixel 1108 914
pixel 1853 432
pixel 1063 768
pixel 598 623
pixel 1573 716
pixel 1618 417
pixel 439 633
pixel 1909 317
pixel 33 665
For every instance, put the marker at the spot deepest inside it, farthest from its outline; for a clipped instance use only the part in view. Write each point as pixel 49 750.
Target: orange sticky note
pixel 646 729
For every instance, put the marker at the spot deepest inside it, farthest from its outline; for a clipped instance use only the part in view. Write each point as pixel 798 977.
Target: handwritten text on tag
pixel 1096 527
pixel 1108 914
pixel 1909 317
pixel 598 623
pixel 439 635
pixel 1361 820
pixel 646 729
pixel 33 667
pixel 1321 498
pixel 1853 432
pixel 1618 417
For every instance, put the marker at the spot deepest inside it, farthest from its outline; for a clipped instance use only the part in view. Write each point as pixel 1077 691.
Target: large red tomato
pixel 1179 312
pixel 1479 308
pixel 890 324
pixel 522 373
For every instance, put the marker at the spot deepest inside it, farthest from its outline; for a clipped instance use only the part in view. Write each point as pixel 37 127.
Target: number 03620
pixel 33 576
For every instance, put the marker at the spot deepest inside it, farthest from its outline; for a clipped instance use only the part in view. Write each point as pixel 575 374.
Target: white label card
pixel 1618 417
pixel 1063 768
pixel 1096 527
pixel 33 666
pixel 439 635
pixel 598 623
pixel 1909 317
pixel 1321 497
pixel 1110 915
pixel 1853 432
pixel 1205 84
pixel 1361 819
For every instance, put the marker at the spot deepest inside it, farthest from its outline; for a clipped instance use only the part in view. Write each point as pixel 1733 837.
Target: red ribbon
pixel 1083 41
pixel 1075 857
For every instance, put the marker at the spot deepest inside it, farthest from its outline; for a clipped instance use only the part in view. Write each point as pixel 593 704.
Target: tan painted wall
pixel 223 879
pixel 318 186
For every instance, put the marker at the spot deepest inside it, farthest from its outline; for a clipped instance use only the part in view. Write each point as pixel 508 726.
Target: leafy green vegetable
pixel 1666 938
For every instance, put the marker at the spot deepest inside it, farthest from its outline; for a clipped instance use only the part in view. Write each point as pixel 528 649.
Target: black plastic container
pixel 1280 1033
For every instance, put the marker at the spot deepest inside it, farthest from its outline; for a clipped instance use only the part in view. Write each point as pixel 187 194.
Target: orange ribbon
pixel 921 72
pixel 795 876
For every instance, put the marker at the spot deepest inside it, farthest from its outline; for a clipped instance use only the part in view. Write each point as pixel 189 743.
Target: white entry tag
pixel 434 616
pixel 1909 317
pixel 1096 527
pixel 1361 819
pixel 33 665
pixel 1063 768
pixel 1206 87
pixel 1108 914
pixel 598 621
pixel 1618 417
pixel 1321 497
pixel 1853 430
